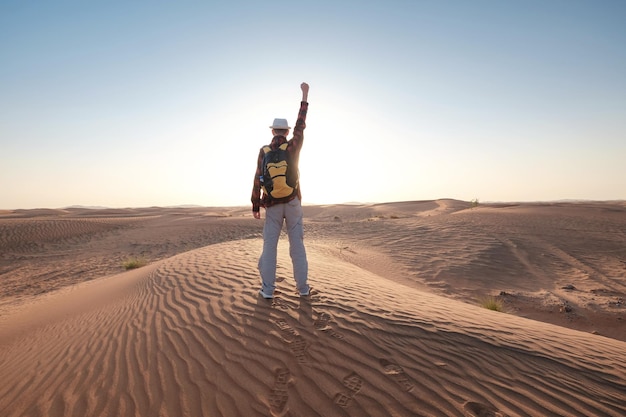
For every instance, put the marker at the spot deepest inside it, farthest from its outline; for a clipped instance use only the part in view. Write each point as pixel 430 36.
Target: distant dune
pixel 394 326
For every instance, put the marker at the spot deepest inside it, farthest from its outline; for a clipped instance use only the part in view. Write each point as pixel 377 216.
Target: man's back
pixel 283 206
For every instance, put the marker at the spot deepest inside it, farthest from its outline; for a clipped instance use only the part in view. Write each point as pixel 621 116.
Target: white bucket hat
pixel 280 124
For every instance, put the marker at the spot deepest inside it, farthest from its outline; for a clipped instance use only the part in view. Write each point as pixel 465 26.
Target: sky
pixel 156 103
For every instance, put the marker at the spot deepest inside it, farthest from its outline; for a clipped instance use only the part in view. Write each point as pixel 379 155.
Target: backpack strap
pixel 282 147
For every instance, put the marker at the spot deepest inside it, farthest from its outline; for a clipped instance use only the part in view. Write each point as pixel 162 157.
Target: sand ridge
pixel 45 250
pixel 393 327
pixel 545 259
pixel 192 337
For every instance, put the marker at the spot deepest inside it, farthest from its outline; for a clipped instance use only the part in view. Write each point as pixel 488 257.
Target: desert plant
pixel 492 303
pixel 132 263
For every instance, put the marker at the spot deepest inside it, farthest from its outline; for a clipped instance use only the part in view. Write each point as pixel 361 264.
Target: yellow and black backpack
pixel 280 173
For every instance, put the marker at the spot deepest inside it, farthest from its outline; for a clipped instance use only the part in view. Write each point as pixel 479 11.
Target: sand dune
pixel 188 335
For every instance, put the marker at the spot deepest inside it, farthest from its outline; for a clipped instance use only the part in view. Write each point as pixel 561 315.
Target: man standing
pixel 277 190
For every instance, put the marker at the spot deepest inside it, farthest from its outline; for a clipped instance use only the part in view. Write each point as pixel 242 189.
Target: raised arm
pixel 305 91
pixel 298 131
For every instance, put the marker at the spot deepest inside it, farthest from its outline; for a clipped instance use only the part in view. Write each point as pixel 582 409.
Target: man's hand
pixel 305 91
pixel 256 214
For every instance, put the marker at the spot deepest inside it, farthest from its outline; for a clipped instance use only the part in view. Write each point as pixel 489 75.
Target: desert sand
pixel 394 326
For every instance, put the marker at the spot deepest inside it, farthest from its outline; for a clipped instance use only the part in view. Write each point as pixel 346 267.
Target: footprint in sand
pixel 279 395
pixel 278 302
pixel 342 400
pixel 322 323
pixel 298 347
pixel 354 383
pixel 397 374
pixel 294 340
pixel 474 409
pixel 284 326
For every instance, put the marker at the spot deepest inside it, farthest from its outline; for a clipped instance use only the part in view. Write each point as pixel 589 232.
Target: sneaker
pixel 306 293
pixel 266 296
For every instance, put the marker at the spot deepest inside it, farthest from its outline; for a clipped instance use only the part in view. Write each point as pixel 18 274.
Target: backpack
pixel 280 173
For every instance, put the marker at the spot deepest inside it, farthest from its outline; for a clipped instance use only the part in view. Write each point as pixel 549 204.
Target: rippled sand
pixel 393 326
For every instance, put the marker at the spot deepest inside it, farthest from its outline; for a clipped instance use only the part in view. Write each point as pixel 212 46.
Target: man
pixel 282 208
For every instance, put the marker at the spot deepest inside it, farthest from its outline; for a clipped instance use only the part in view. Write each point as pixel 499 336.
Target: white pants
pixel 291 213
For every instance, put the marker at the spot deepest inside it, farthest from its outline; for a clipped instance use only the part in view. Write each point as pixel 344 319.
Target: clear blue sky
pixel 143 103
